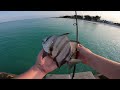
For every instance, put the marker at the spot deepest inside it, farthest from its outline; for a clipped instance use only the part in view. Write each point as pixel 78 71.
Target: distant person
pixel 108 68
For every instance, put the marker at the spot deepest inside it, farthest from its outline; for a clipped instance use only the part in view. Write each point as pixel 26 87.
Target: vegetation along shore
pixel 91 18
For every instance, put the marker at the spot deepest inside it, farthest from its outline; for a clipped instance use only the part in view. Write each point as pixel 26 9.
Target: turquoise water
pixel 20 41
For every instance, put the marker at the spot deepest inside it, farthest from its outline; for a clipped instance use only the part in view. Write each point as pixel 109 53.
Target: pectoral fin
pixel 72 62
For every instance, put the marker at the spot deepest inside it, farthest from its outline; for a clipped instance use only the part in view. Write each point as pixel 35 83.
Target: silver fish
pixel 60 48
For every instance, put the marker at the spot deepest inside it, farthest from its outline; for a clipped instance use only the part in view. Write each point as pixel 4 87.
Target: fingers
pixel 39 57
pixel 79 47
pixel 41 52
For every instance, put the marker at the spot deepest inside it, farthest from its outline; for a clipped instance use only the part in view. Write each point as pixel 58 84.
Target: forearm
pixel 32 73
pixel 109 68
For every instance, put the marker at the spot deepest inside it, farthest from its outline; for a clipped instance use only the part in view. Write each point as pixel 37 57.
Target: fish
pixel 61 49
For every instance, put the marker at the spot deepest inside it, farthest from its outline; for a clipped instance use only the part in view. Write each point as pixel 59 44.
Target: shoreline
pixel 102 23
pixel 99 21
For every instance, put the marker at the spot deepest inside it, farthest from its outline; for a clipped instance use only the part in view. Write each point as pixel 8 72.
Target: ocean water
pixel 20 41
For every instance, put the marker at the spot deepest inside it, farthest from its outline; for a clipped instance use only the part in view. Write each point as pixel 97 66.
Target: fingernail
pixel 79 45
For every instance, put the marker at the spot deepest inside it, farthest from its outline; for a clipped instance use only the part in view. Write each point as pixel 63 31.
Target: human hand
pixel 84 53
pixel 45 64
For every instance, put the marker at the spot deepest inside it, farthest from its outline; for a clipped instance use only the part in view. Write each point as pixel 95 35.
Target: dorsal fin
pixel 64 34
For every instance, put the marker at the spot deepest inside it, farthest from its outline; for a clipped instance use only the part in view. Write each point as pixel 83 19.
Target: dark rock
pixel 4 75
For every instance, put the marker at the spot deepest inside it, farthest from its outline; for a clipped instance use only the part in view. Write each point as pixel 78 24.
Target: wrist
pixel 32 73
pixel 39 70
pixel 91 59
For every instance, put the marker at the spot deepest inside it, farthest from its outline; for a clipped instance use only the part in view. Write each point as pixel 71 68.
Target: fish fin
pixel 64 34
pixel 72 62
pixel 75 60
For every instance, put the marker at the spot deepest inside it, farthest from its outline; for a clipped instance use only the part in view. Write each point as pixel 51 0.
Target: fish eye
pixel 51 49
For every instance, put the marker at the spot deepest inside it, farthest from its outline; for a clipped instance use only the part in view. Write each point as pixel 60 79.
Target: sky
pixel 18 15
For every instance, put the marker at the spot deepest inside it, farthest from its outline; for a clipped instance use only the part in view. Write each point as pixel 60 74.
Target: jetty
pixel 80 75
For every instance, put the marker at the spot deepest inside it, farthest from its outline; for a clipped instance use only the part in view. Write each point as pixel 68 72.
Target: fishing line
pixel 76 41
